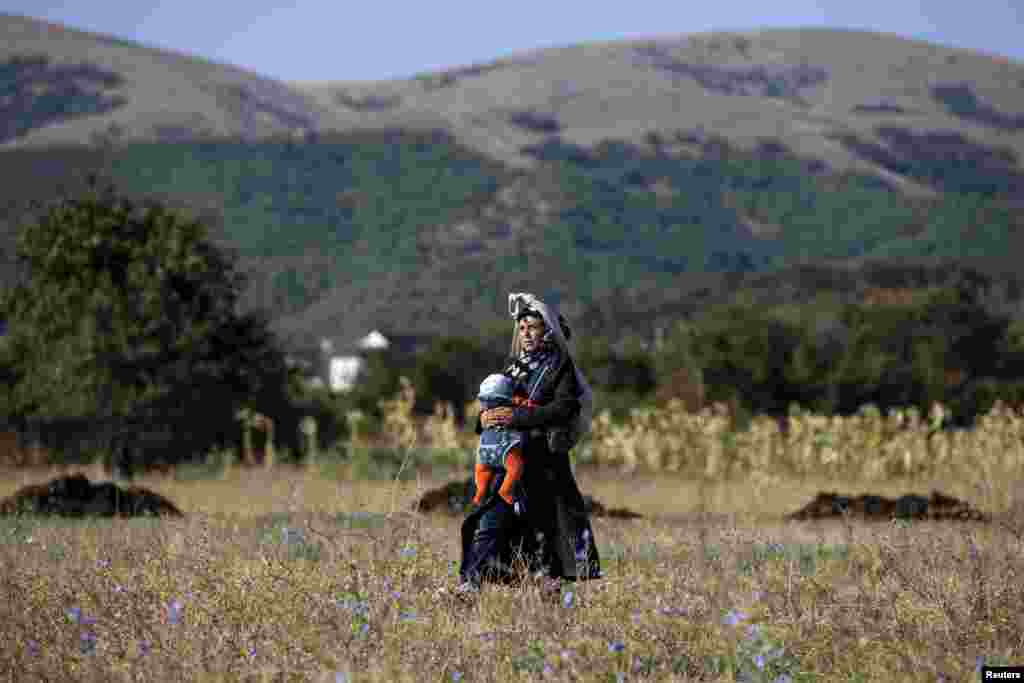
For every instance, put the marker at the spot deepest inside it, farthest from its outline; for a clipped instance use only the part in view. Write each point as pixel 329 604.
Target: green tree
pixel 126 318
pixel 450 371
pixel 744 354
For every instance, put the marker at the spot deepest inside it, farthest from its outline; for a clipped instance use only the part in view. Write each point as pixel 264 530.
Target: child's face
pixel 531 331
pixel 495 403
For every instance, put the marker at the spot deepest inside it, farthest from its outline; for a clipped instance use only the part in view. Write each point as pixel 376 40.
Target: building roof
pixel 374 340
pixel 379 339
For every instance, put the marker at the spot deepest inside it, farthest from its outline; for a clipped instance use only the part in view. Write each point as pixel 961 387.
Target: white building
pixel 374 341
pixel 339 366
pixel 344 371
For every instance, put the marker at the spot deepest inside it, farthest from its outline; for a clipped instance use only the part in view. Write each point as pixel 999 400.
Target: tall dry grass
pixel 287 576
pixel 868 446
pixel 284 574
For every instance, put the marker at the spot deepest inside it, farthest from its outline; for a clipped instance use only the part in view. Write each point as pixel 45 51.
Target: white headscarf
pixel 520 301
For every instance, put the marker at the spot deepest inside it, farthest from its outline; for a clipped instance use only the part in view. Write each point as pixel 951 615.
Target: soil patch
pixel 871 507
pixel 455 498
pixel 76 496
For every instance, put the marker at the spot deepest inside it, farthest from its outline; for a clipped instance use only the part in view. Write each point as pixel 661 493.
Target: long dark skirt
pixel 554 537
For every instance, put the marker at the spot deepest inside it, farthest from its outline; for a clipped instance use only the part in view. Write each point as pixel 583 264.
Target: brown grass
pixel 283 574
pixel 865 447
pixel 844 601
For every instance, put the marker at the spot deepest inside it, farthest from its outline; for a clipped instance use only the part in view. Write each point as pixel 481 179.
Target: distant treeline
pixel 912 343
pixel 830 335
pixel 899 336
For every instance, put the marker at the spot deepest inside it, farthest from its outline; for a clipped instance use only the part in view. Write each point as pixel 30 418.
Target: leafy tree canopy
pixel 125 316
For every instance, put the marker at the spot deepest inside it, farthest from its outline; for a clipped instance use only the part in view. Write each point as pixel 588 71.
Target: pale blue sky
pixel 309 40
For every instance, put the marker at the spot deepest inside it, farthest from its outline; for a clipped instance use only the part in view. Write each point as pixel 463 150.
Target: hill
pixel 612 176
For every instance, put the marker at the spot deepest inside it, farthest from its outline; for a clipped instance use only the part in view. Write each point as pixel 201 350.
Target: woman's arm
pixel 557 412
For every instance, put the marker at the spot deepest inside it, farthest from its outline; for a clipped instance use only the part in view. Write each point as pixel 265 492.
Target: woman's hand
pixel 495 416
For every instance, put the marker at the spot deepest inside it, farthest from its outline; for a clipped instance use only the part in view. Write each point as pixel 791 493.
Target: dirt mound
pixel 937 507
pixel 76 496
pixel 454 498
pixel 596 509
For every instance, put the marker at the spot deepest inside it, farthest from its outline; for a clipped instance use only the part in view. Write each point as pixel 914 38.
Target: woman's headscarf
pixel 520 302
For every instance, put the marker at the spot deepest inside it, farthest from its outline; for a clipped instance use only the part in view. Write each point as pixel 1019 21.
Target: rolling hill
pixel 612 177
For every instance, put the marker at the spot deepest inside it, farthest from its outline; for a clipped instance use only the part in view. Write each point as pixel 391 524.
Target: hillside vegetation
pixel 422 234
pixel 788 257
pixel 416 205
pixel 592 174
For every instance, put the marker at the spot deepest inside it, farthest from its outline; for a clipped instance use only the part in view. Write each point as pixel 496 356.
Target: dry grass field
pixel 285 574
pixel 320 573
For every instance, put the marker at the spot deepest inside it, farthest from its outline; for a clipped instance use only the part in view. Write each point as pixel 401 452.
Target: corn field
pixel 868 446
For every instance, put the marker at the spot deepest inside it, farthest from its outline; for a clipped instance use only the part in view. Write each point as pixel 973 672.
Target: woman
pixel 551 530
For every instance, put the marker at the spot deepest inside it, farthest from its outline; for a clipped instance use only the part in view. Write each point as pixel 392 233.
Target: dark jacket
pixel 554 505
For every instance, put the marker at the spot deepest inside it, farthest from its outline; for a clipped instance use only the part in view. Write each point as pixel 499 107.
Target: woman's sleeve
pixel 562 408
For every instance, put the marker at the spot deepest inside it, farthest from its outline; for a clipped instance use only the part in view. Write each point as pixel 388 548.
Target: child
pixel 500 448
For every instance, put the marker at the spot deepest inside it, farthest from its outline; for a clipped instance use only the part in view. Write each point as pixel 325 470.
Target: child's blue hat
pixel 496 387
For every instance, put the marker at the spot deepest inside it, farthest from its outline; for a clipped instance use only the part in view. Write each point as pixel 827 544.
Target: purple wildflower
pixel 616 646
pixel 456 675
pixel 74 614
pixel 734 617
pixel 567 599
pixel 33 648
pixel 174 610
pixel 291 536
pixel 583 546
pixel 87 643
pixel 144 647
pixel 759 661
pixel 351 603
pixel 783 678
pixel 547 670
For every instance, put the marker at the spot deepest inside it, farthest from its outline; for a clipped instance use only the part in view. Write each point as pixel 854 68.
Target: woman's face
pixel 531 330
